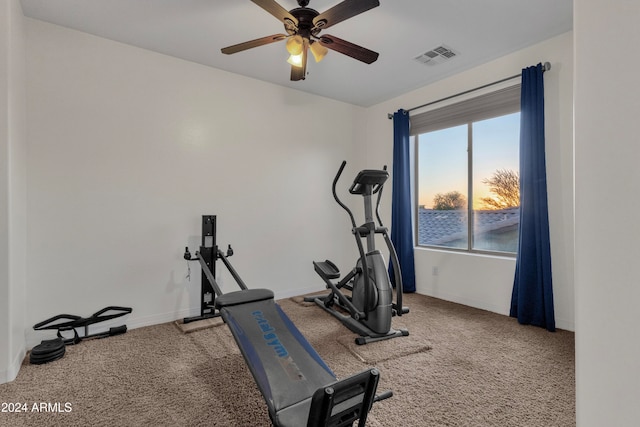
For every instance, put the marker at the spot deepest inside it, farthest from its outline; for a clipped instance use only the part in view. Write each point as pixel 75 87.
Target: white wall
pixel 128 148
pixel 484 281
pixel 5 356
pixel 12 190
pixel 607 177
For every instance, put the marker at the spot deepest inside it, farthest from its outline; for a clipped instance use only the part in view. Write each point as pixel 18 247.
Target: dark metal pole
pixel 232 270
pixel 208 249
pixel 208 275
pixel 545 67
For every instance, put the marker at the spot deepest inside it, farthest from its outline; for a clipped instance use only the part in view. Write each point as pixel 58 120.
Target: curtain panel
pixel 401 203
pixel 532 296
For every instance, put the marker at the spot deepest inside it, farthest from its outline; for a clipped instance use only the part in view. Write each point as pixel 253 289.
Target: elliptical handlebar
pixel 335 194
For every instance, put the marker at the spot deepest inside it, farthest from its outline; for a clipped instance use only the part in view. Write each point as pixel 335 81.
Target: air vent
pixel 436 56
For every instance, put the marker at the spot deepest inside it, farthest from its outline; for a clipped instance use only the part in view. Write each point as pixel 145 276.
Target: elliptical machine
pixel 370 305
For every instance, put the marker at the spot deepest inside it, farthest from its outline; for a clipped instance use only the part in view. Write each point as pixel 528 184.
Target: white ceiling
pixel 195 30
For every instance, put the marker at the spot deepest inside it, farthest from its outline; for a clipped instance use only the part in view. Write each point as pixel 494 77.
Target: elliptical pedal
pixel 326 269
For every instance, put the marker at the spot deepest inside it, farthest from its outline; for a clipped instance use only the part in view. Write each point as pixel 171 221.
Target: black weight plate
pixel 48 346
pixel 38 357
pixel 47 360
pixel 41 357
pixel 47 355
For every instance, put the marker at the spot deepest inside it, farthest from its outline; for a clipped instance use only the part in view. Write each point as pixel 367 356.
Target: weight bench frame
pixel 298 387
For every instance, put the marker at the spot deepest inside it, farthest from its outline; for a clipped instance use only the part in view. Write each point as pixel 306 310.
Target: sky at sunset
pixel 442 157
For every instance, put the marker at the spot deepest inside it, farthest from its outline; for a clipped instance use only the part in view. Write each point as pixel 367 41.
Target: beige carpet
pixel 459 367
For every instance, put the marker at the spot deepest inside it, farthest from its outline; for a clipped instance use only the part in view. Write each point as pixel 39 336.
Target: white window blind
pixel 494 104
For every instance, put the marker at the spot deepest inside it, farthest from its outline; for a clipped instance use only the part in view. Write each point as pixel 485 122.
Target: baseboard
pixel 298 291
pixel 35 337
pixel 482 305
pixel 12 370
pixel 565 325
pixel 156 319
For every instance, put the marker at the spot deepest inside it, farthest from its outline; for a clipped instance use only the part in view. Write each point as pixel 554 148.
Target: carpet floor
pixel 459 366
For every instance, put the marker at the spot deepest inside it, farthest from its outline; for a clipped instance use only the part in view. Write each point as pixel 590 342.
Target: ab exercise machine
pixel 298 387
pixel 67 326
pixel 370 306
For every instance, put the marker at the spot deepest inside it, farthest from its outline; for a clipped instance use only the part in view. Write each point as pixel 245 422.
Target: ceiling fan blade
pixel 253 43
pixel 347 48
pixel 276 10
pixel 345 10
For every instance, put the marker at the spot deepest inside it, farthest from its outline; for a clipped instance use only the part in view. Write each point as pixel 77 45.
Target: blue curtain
pixel 532 297
pixel 401 203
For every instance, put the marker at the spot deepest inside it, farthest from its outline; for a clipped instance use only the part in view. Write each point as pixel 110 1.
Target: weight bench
pixel 294 381
pixel 298 387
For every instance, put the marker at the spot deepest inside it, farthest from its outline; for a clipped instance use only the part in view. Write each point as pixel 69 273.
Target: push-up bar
pixel 297 385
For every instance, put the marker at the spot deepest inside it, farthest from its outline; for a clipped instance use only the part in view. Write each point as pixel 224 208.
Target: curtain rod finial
pixel 389 116
pixel 546 66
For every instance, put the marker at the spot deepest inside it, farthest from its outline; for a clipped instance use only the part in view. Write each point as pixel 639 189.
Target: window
pixel 467 165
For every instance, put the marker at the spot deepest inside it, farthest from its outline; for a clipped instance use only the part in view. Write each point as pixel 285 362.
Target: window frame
pixel 501 102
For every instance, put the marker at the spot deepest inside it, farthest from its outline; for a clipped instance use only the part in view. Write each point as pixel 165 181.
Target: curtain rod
pixel 545 67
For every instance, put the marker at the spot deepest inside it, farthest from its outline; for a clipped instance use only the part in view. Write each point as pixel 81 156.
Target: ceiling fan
pixel 303 26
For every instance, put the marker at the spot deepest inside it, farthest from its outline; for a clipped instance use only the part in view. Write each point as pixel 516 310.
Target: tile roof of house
pixel 436 227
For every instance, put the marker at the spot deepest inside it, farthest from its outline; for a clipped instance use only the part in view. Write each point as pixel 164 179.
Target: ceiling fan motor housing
pixel 305 26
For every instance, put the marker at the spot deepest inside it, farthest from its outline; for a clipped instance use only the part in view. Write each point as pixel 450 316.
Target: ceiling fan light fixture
pixel 295 44
pixel 318 51
pixel 295 60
